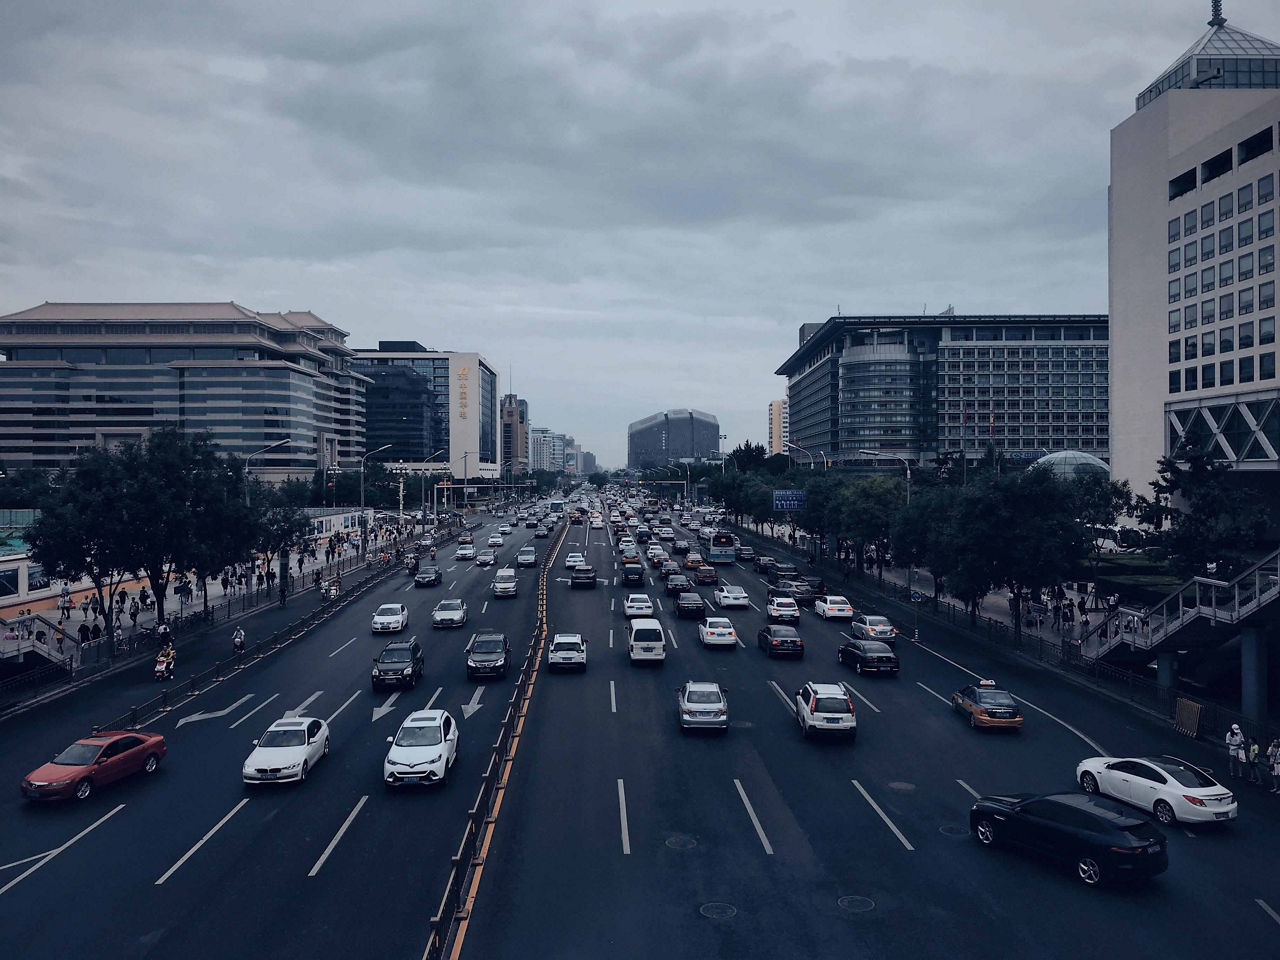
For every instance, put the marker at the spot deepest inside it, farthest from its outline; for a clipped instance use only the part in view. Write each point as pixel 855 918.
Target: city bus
pixel 721 548
pixel 557 506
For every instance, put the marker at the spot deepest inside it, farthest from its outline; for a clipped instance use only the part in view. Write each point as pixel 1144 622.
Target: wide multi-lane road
pixel 188 863
pixel 621 837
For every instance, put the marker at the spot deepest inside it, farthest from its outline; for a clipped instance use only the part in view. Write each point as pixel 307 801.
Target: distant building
pixel 672 435
pixel 515 435
pixel 779 426
pixel 459 397
pixel 78 375
pixel 539 448
pixel 587 463
pixel 570 454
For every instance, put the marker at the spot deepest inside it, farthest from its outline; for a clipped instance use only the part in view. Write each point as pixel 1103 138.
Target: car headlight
pixel 436 759
pixel 57 783
pixel 394 763
pixel 406 671
pixel 375 671
pixel 471 663
pixel 292 766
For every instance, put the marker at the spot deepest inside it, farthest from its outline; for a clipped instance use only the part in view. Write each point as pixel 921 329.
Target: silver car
pixel 702 705
pixel 449 613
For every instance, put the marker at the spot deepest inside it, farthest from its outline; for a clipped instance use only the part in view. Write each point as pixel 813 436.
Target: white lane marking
pixel 484 606
pixel 439 690
pixel 297 711
pixel 344 706
pixel 409 587
pixel 469 708
pixel 612 602
pixel 753 606
pixel 651 581
pixel 755 821
pixel 672 637
pixel 343 647
pixel 845 635
pixel 659 603
pixel 883 816
pixel 1262 903
pixel 786 701
pixel 613 699
pixel 336 837
pixel 213 714
pixel 201 842
pixel 46 857
pixel 622 816
pixel 451 569
pixel 387 707
pixel 18 863
pixel 740 643
pixel 610 638
pixel 1101 751
pixel 972 792
pixel 849 689
pixel 253 711
pixel 452 585
pixel 934 692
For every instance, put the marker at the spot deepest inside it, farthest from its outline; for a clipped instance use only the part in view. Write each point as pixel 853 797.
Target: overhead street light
pixel 796 446
pixel 249 459
pixel 364 526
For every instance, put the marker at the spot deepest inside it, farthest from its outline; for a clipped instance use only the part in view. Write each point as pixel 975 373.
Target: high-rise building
pixel 779 426
pixel 77 375
pixel 539 448
pixel 459 392
pixel 1193 213
pixel 672 435
pixel 515 435
pixel 916 386
pixel 587 463
pixel 570 454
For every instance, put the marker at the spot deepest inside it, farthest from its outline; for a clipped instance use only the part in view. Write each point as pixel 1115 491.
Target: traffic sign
pixel 788 500
pixel 916 596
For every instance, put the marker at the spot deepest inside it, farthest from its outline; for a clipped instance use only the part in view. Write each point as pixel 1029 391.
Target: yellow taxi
pixel 987 705
pixel 693 561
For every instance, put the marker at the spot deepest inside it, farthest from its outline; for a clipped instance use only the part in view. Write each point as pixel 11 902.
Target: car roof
pixel 290 723
pixel 646 622
pixel 400 643
pixel 701 685
pixel 567 636
pixel 1109 810
pixel 423 718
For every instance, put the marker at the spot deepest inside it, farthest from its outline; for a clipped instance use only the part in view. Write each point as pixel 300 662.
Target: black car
pixel 488 655
pixel 868 656
pixel 531 524
pixel 583 575
pixel 744 553
pixel 1099 838
pixel 632 572
pixel 680 547
pixel 400 664
pixel 801 592
pixel 690 605
pixel 779 590
pixel 816 584
pixel 781 571
pixel 763 563
pixel 677 584
pixel 428 576
pixel 776 640
pixel 669 569
pixel 486 558
pixel 576 519
pixel 706 576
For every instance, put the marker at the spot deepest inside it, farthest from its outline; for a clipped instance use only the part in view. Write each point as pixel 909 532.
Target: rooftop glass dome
pixel 1073 463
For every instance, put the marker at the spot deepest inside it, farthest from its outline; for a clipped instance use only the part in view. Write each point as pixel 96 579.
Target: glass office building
pixel 672 435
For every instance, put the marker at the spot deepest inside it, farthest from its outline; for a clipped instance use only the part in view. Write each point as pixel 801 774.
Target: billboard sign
pixel 788 500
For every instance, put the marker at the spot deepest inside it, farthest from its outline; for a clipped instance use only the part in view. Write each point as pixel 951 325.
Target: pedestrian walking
pixel 1235 751
pixel 133 613
pixel 299 564
pixel 239 581
pixel 1255 762
pixel 93 606
pixel 226 584
pixel 261 579
pixel 1082 607
pixel 1273 764
pixel 96 632
pixel 83 633
pixel 84 608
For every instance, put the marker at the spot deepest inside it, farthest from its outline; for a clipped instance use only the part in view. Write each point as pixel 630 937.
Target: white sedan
pixel 730 596
pixel 422 751
pixel 1172 789
pixel 390 617
pixel 287 751
pixel 833 607
pixel 495 540
pixel 574 560
pixel 717 632
pixel 504 528
pixel 567 650
pixel 465 552
pixel 449 613
pixel 637 605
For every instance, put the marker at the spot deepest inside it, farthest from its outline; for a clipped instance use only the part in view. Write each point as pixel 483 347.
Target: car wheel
pixel 1088 870
pixel 1088 782
pixel 303 774
pixel 986 832
pixel 1164 813
pixel 857 668
pixel 84 788
pixel 149 765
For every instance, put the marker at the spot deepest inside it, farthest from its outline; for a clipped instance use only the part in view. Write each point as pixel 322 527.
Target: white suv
pixel 646 641
pixel 825 706
pixel 504 583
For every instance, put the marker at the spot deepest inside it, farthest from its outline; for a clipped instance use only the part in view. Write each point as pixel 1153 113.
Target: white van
pixel 646 641
pixel 504 583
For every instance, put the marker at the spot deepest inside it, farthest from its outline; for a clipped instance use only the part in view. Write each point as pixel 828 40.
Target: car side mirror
pixel 255 743
pixel 100 760
pixel 390 739
pixel 311 739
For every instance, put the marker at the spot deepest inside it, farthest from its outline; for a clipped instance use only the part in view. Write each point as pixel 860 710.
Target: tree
pixel 1098 504
pixel 24 488
pixel 278 524
pixel 749 456
pixel 868 509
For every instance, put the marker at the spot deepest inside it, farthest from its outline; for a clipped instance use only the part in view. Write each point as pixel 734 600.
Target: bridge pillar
pixel 1166 668
pixel 1253 674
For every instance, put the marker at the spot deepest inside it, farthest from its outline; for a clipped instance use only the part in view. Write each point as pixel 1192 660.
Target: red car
pixel 94 762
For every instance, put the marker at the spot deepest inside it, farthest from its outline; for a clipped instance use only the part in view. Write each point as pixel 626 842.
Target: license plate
pixel 703 715
pixel 266 776
pixel 646 649
pixel 410 779
pixel 1222 816
pixel 832 719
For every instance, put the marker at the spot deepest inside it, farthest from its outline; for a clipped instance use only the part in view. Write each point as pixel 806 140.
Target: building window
pixel 1226 339
pixel 1225 209
pixel 1246 369
pixel 1175 291
pixel 1175 381
pixel 1215 167
pixel 1266 224
pixel 1246 335
pixel 1226 273
pixel 1226 306
pixel 1206 376
pixel 1266 188
pixel 1226 240
pixel 1206 246
pixel 1266 331
pixel 1266 295
pixel 1175 260
pixel 1206 280
pixel 1246 267
pixel 1261 142
pixel 1266 259
pixel 1175 320
pixel 1189 285
pixel 1175 351
pixel 1244 232
pixel 1246 301
pixel 1189 378
pixel 1189 254
pixel 1244 198
pixel 1208 312
pixel 1206 344
pixel 1175 230
pixel 1189 221
pixel 1226 372
pixel 1189 348
pixel 1189 312
pixel 1266 366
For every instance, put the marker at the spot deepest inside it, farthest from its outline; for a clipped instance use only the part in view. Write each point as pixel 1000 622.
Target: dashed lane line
pixel 972 792
pixel 934 692
pixel 344 706
pixel 883 816
pixel 622 817
pixel 849 689
pixel 200 843
pixel 343 647
pixel 432 701
pixel 613 698
pixel 786 702
pixel 336 837
pixel 1262 903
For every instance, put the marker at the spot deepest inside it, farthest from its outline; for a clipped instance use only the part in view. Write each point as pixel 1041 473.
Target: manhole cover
pixel 741 724
pixel 856 904
pixel 681 842
pixel 901 785
pixel 718 911
pixel 953 830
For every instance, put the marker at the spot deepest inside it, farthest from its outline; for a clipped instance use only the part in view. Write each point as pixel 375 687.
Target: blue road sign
pixel 788 500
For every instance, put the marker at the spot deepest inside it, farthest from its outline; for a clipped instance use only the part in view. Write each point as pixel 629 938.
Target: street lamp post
pixel 364 526
pixel 796 446
pixel 249 459
pixel 911 567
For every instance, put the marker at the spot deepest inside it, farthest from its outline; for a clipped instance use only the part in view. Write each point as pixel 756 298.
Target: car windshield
pixel 702 696
pixel 565 646
pixel 295 737
pixel 447 605
pixel 78 754
pixel 487 645
pixel 647 635
pixel 430 569
pixel 784 633
pixel 419 737
pixel 872 646
pixel 1186 776
pixel 387 610
pixel 833 705
pixel 995 698
pixel 395 656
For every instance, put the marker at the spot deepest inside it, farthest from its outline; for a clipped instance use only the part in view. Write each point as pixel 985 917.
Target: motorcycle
pixel 237 643
pixel 164 669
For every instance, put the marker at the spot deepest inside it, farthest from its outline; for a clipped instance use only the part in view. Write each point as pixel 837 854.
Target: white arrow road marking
pixel 215 713
pixel 297 711
pixel 382 711
pixel 253 711
pixel 469 708
pixel 336 837
pixel 46 857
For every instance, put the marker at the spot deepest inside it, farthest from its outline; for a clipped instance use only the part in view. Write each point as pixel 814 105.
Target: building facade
pixel 779 427
pixel 461 390
pixel 1192 245
pixel 515 435
pixel 919 386
pixel 672 435
pixel 77 375
pixel 587 462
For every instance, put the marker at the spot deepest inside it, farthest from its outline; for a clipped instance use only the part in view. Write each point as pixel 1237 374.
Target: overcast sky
pixel 628 205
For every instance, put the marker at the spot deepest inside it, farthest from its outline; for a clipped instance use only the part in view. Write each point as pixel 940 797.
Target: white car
pixel 730 596
pixel 782 610
pixel 833 607
pixel 390 617
pixel 637 605
pixel 870 627
pixel 653 549
pixel 567 650
pixel 422 751
pixel 495 540
pixel 504 528
pixel 288 750
pixel 694 526
pixel 465 552
pixel 646 641
pixel 574 560
pixel 633 522
pixel 717 632
pixel 825 706
pixel 449 613
pixel 1172 789
pixel 702 704
pixel 597 524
